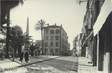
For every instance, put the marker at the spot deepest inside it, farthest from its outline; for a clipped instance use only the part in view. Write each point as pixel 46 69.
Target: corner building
pixel 55 40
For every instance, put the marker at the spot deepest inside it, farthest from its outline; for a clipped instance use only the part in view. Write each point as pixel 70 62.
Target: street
pixel 55 65
pixel 46 64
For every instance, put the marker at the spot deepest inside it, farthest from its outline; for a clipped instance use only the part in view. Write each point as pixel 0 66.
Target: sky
pixel 66 12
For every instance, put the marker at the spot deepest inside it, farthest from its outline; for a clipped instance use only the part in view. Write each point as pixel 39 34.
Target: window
pixel 57 44
pixel 52 31
pixel 52 38
pixel 56 50
pixel 57 37
pixel 46 44
pixel 47 37
pixel 57 31
pixel 51 43
pixel 46 31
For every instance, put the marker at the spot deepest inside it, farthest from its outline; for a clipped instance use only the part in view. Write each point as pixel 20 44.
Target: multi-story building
pixel 77 44
pixel 98 19
pixel 93 9
pixel 2 44
pixel 55 41
pixel 103 35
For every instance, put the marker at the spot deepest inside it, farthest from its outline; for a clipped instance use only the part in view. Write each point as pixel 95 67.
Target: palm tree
pixel 39 26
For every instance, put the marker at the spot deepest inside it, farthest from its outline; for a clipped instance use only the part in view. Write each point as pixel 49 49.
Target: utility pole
pixel 42 23
pixel 7 35
pixel 43 51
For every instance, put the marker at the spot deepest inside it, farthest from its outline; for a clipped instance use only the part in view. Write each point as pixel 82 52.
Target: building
pixel 97 25
pixel 103 39
pixel 55 41
pixel 77 44
pixel 93 9
pixel 2 44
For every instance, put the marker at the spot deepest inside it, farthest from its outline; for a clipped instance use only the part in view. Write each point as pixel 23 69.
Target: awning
pixel 105 11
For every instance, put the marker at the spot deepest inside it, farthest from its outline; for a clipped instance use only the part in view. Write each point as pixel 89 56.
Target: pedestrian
pixel 32 50
pixel 21 56
pixel 26 57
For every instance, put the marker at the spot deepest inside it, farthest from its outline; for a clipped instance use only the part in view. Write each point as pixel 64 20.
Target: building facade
pixel 2 44
pixel 97 25
pixel 77 44
pixel 92 11
pixel 55 41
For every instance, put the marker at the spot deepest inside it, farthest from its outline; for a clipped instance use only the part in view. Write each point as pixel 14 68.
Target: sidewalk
pixel 7 66
pixel 85 67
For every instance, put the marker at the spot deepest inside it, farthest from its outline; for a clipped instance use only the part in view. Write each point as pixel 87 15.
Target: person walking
pixel 26 56
pixel 32 50
pixel 22 54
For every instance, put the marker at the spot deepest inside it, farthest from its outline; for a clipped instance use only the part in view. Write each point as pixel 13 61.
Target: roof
pixel 52 26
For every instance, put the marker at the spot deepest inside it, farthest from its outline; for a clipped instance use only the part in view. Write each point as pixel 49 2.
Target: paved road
pixel 44 64
pixel 56 65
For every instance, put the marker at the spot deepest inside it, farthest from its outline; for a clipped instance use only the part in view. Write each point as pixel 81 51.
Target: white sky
pixel 66 12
